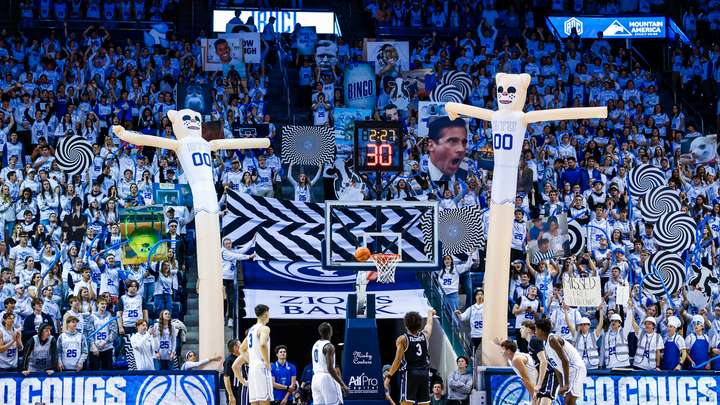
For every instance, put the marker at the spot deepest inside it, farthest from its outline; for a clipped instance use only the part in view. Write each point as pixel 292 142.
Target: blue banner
pixel 111 387
pixel 307 291
pixel 299 276
pixel 615 387
pixel 611 27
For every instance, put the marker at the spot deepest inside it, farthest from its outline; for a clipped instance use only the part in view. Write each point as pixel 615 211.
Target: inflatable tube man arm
pixel 561 114
pixel 455 110
pixel 251 143
pixel 137 138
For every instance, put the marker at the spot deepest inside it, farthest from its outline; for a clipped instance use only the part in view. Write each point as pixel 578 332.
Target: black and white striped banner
pixel 293 231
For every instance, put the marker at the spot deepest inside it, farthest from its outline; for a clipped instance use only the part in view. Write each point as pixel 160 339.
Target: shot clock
pixel 378 146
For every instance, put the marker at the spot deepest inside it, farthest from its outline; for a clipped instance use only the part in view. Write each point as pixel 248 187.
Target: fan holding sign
pixel 509 123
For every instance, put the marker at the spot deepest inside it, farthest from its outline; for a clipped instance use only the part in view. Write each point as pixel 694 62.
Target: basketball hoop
pixel 385 264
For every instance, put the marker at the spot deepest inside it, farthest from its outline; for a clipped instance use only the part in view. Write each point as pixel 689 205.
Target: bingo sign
pixel 359 85
pixel 116 387
pixel 602 387
pixel 611 27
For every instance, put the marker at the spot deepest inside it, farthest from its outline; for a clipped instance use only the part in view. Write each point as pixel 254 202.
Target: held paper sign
pixel 582 291
pixel 622 294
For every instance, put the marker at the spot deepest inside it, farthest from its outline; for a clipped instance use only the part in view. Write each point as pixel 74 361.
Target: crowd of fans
pixel 64 283
pixel 62 276
pixel 110 10
pixel 574 168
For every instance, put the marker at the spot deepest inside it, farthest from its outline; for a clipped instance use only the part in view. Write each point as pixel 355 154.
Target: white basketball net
pixel 385 263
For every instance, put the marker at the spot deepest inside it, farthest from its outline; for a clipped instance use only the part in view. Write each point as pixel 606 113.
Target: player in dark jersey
pixel 413 360
pixel 547 384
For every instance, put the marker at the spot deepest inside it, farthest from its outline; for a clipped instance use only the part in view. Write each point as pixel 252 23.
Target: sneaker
pixel 230 323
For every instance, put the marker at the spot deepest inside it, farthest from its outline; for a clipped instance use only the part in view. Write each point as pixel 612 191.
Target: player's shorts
pixel 577 378
pixel 415 386
pixel 549 386
pixel 325 390
pixel 260 384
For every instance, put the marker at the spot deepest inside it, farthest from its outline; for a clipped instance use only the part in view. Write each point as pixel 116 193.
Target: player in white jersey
pixel 522 363
pixel 255 350
pixel 326 382
pixel 565 359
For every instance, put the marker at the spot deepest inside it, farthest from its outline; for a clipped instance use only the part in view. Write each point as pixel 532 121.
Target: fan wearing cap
pixel 597 195
pixel 647 355
pixel 674 352
pixel 615 343
pixel 233 178
pixel 598 227
pixel 698 343
pixel 586 342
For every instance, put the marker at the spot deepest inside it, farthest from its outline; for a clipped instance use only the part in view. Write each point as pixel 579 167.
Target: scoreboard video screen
pixel 378 146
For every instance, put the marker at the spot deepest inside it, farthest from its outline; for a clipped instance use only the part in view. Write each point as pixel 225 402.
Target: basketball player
pixel 546 385
pixel 522 363
pixel 362 279
pixel 565 359
pixel 256 350
pixel 412 352
pixel 326 382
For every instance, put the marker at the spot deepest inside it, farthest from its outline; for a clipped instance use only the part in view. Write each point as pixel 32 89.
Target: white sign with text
pixel 332 304
pixel 582 291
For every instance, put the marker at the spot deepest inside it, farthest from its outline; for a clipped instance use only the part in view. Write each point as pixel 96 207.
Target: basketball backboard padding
pixel 408 228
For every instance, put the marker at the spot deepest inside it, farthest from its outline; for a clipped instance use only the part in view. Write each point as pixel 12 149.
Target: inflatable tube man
pixel 509 123
pixel 194 154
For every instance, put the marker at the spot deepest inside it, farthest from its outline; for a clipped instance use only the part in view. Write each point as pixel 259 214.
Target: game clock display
pixel 378 146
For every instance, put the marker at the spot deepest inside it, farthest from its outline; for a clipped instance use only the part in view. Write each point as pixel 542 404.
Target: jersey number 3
pixel 419 351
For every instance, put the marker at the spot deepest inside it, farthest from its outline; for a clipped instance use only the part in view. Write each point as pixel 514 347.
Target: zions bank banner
pixel 116 387
pixel 307 291
pixel 631 388
pixel 611 27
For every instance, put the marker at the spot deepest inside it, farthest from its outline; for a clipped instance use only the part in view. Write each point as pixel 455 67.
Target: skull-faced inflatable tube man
pixel 194 154
pixel 509 123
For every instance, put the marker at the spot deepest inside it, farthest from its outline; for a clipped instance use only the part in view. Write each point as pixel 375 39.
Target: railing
pixel 457 332
pixel 688 109
pixel 635 53
pixel 677 98
pixel 282 58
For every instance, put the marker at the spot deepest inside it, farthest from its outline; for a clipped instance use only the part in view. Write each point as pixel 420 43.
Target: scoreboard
pixel 378 146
